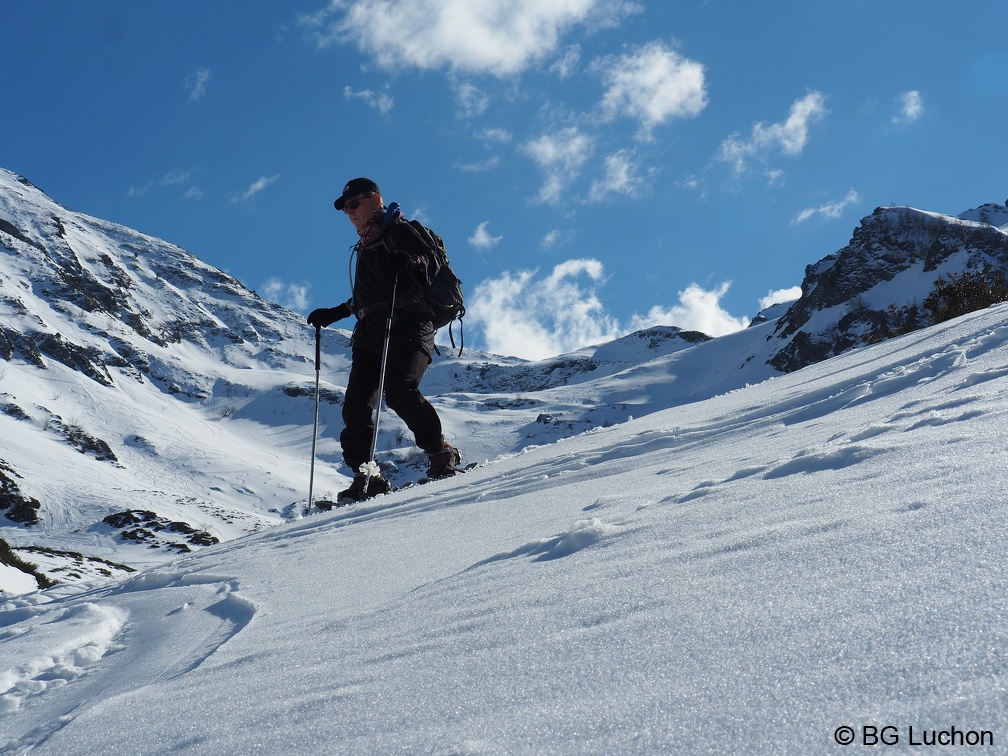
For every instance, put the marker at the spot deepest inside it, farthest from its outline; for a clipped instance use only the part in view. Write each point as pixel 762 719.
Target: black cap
pixel 353 188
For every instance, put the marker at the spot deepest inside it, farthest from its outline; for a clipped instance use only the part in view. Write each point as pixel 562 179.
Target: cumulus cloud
pixel 380 101
pixel 910 107
pixel 829 209
pixel 699 309
pixel 534 317
pixel 652 84
pixel 560 155
pixel 292 296
pixel 481 238
pixel 620 176
pixel 197 84
pixel 254 188
pixel 788 137
pixel 498 37
pixel 780 296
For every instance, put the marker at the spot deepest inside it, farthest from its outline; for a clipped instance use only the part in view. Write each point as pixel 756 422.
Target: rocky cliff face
pixel 111 343
pixel 94 295
pixel 859 294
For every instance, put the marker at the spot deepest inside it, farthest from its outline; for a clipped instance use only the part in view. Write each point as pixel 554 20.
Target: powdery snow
pixel 746 573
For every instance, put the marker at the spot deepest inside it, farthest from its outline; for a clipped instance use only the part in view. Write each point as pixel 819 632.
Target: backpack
pixel 444 294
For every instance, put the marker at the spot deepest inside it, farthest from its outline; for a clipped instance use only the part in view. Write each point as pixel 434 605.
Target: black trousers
pixel 405 367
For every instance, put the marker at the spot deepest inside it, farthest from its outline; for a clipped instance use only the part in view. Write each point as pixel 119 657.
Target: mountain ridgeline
pixel 876 287
pixel 94 296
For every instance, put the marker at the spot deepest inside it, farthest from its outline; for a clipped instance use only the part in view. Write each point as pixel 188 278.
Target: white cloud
pixel 693 183
pixel 652 84
pixel 829 209
pixel 379 101
pixel 560 156
pixel 780 296
pixel 176 177
pixel 535 318
pixel 911 107
pixel 254 188
pixel 197 84
pixel 555 238
pixel 566 65
pixel 481 238
pixel 471 100
pixel 480 166
pixel 489 137
pixel 620 177
pixel 774 177
pixel 698 310
pixel 139 191
pixel 498 37
pixel 497 135
pixel 788 137
pixel 292 296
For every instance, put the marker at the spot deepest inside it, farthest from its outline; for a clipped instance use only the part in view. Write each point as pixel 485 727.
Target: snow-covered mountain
pixel 860 294
pixel 151 404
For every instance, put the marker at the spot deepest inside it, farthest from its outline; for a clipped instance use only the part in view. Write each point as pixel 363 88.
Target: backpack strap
pixel 381 307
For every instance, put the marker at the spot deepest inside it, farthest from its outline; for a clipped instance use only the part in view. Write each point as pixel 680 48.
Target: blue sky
pixel 595 166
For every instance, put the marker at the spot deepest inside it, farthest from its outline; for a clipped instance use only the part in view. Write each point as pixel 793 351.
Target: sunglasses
pixel 355 203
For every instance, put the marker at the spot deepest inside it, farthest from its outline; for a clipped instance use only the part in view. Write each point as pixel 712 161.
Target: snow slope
pixel 744 573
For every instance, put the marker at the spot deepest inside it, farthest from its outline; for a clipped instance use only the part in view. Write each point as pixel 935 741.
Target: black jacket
pixel 372 289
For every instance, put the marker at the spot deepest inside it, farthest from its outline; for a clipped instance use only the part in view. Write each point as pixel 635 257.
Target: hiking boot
pixel 443 463
pixel 364 488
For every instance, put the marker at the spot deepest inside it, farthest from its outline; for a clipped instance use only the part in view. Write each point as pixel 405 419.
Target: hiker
pixel 388 252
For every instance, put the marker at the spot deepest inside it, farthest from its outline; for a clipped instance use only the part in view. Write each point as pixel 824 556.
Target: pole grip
pixel 318 348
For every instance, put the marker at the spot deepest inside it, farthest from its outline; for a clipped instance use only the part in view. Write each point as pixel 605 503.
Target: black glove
pixel 326 316
pixel 401 261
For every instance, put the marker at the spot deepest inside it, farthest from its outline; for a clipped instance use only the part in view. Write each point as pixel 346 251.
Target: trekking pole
pixel 318 367
pixel 381 382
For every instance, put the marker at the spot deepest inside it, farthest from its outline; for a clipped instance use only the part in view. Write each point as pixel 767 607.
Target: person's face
pixel 362 208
